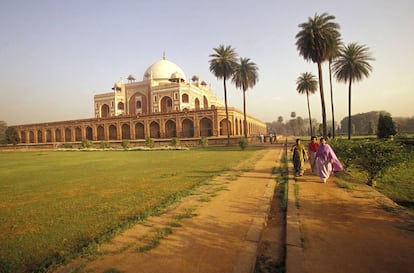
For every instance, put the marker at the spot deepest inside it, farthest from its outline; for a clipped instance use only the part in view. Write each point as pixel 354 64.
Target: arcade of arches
pixel 189 124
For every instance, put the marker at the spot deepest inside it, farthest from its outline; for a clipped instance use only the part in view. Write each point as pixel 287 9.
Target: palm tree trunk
pixel 309 113
pixel 244 113
pixel 349 110
pixel 332 104
pixel 322 100
pixel 227 112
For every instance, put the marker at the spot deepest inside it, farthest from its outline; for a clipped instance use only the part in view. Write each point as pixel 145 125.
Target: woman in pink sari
pixel 326 161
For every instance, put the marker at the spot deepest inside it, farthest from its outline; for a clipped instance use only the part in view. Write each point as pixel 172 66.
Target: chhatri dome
pixel 163 70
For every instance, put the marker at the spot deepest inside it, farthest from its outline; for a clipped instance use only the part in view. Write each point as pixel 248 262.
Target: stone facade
pixel 161 106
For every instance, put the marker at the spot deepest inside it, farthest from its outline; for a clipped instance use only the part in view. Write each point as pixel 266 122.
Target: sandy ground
pixel 357 230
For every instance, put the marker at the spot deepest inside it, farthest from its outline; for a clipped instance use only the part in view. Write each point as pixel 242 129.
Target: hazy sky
pixel 55 54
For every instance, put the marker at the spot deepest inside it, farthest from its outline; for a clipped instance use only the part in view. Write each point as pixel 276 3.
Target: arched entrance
pixel 188 128
pixel 139 131
pixel 206 127
pixel 126 132
pixel 78 134
pixel 112 132
pixel 154 130
pixel 89 135
pixel 223 127
pixel 166 104
pixel 170 129
pixel 105 111
pixel 100 132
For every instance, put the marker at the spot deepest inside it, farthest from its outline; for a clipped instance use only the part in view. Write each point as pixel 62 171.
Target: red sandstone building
pixel 162 105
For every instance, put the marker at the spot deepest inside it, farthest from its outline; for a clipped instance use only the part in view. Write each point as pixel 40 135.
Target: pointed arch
pixel 105 111
pixel 139 131
pixel 188 128
pixel 126 132
pixel 154 130
pixel 206 127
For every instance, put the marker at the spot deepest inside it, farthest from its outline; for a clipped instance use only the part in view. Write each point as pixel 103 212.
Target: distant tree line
pixel 362 124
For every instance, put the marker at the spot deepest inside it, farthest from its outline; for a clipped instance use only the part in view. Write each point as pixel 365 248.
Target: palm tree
pixel 222 66
pixel 307 83
pixel 314 42
pixel 332 55
pixel 245 76
pixel 352 65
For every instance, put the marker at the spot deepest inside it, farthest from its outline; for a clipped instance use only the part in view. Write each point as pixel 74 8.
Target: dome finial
pixel 163 55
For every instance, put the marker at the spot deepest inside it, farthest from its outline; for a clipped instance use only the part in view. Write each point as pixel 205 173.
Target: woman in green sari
pixel 299 156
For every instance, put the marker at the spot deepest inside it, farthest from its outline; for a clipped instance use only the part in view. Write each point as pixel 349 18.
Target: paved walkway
pixel 339 230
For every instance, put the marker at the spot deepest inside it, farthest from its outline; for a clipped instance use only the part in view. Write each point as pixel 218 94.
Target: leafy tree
pixel 245 76
pixel 222 66
pixel 334 52
pixel 386 127
pixel 307 84
pixel 3 128
pixel 12 137
pixel 352 65
pixel 315 42
pixel 376 157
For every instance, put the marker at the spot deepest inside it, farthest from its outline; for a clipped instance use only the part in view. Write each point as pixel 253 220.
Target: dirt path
pixel 217 229
pixel 357 230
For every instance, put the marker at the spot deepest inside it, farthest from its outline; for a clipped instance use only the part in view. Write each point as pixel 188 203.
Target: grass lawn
pixel 54 204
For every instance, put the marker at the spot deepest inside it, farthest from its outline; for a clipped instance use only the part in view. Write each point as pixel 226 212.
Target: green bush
pixel 67 145
pixel 376 157
pixel 86 143
pixel 105 145
pixel 345 150
pixel 125 144
pixel 204 142
pixel 175 141
pixel 243 143
pixel 149 142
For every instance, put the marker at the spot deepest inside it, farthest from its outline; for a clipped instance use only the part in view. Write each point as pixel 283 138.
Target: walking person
pixel 299 156
pixel 312 149
pixel 326 161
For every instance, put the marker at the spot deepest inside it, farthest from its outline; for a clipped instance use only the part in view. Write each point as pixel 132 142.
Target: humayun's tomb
pixel 162 105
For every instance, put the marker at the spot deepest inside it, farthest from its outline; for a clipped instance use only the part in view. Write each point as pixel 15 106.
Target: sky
pixel 56 54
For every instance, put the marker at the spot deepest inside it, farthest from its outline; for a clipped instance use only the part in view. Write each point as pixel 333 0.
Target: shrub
pixel 175 141
pixel 375 157
pixel 125 144
pixel 67 145
pixel 345 150
pixel 149 142
pixel 104 145
pixel 386 127
pixel 86 143
pixel 203 142
pixel 243 143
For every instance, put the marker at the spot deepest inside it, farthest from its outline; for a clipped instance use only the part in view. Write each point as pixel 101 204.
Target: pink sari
pixel 326 162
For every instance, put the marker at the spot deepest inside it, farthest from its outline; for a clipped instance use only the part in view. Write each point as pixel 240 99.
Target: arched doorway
pixel 68 134
pixel 170 129
pixel 205 103
pixel 105 111
pixel 223 127
pixel 89 135
pixel 166 104
pixel 31 137
pixel 101 132
pixel 139 131
pixel 154 130
pixel 112 132
pixel 78 134
pixel 126 132
pixel 188 128
pixel 58 135
pixel 206 127
pixel 197 104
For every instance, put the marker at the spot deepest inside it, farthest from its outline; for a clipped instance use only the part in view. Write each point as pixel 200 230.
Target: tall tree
pixel 334 52
pixel 245 76
pixel 222 66
pixel 314 42
pixel 351 66
pixel 307 84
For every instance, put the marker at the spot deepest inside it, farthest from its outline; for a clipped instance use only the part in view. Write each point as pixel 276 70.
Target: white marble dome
pixel 162 70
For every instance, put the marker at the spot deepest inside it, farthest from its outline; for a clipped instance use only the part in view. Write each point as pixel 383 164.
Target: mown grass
pixel 54 205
